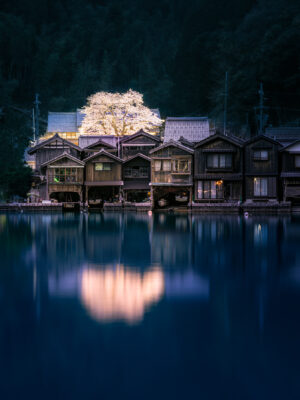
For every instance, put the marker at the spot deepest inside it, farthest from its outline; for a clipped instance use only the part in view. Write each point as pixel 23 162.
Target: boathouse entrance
pixel 164 197
pixel 65 197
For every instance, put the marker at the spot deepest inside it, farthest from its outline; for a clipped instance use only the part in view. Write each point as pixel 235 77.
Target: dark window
pixel 219 161
pixel 297 161
pixel 261 155
pixel 136 172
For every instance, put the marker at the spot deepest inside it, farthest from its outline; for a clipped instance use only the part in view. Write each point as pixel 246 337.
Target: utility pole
pixel 37 114
pixel 33 125
pixel 225 103
pixel 261 108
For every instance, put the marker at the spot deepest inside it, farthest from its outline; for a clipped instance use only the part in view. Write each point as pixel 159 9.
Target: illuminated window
pixel 181 166
pixel 166 165
pixel 219 160
pixel 162 165
pixel 261 155
pixel 210 190
pixel 157 165
pixel 63 175
pixel 103 166
pixel 260 187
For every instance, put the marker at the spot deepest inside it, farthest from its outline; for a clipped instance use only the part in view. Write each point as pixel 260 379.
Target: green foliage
pixel 15 177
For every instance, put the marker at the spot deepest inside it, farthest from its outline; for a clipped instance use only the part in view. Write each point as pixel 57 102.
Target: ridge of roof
pixel 47 141
pixel 264 137
pixel 172 143
pixel 230 139
pixel 102 151
pixel 100 141
pixel 136 156
pixel 63 155
pixel 138 133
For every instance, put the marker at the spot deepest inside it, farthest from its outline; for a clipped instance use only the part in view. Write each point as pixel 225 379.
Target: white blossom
pixel 118 114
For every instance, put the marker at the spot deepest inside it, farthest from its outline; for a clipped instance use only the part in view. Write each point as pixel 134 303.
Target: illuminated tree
pixel 118 114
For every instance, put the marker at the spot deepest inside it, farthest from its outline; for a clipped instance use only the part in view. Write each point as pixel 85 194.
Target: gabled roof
pixel 140 133
pixel 262 137
pixel 230 139
pixel 139 155
pixel 63 155
pixel 50 140
pixel 290 145
pixel 99 142
pixel 173 144
pixel 186 142
pixel 105 153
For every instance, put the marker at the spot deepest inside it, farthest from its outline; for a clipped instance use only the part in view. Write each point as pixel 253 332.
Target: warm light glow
pixel 120 294
pixel 219 183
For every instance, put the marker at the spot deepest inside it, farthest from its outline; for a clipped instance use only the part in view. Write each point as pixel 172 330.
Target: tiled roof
pixel 64 121
pixel 192 129
pixel 284 134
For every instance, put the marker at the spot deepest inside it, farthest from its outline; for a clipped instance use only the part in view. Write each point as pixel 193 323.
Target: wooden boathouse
pixel 218 170
pixel 171 175
pixel 103 179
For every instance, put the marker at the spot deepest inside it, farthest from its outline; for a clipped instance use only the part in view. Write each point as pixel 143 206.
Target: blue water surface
pixel 132 306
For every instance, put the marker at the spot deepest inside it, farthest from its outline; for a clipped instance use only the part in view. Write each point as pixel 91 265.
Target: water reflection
pixel 197 299
pixel 117 293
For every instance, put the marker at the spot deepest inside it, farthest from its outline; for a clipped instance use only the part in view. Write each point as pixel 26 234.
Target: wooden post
pixel 191 196
pixel 87 195
pixel 151 197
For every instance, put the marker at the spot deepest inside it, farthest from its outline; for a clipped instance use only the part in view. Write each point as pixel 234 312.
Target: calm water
pixel 115 306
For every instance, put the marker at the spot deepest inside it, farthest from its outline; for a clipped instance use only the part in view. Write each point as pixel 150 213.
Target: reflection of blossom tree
pixel 120 294
pixel 118 114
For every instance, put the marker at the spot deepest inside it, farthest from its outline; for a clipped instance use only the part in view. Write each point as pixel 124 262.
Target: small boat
pixel 162 203
pixel 181 198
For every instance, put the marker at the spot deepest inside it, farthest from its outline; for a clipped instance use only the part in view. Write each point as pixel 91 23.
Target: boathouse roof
pixel 63 155
pixel 231 139
pixel 173 144
pixel 105 153
pixel 54 138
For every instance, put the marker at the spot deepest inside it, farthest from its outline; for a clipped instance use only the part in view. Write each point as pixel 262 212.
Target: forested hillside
pixel 176 52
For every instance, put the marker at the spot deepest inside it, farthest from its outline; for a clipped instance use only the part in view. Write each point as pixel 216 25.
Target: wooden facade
pixel 218 169
pixel 64 178
pixel 171 174
pixel 261 169
pixel 136 178
pixel 103 178
pixel 290 172
pixel 139 143
pixel 52 148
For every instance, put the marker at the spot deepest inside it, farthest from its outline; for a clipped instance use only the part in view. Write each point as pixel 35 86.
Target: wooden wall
pixel 217 146
pixel 98 176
